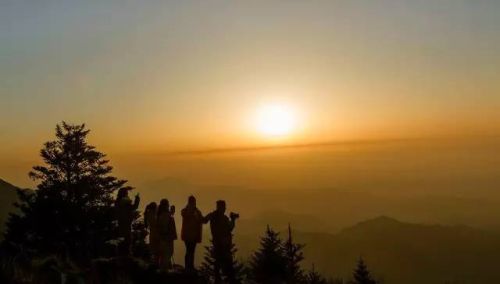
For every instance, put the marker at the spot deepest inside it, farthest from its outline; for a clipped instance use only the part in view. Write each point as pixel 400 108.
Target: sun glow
pixel 276 120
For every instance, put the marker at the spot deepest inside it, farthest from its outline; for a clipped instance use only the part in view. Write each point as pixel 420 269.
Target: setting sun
pixel 276 120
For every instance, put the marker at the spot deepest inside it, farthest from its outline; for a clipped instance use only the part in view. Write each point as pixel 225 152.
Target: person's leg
pixel 124 232
pixel 155 247
pixel 186 256
pixel 169 254
pixel 217 276
pixel 189 258
pixel 228 267
pixel 193 251
pixel 162 255
pixel 151 245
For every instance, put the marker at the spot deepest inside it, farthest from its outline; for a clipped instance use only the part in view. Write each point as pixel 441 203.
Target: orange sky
pixel 190 75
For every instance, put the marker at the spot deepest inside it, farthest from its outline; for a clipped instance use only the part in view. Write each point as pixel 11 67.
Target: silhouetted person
pixel 192 222
pixel 150 221
pixel 167 233
pixel 125 211
pixel 221 228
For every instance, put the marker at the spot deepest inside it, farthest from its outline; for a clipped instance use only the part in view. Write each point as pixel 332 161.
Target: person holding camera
pixel 192 222
pixel 167 233
pixel 221 227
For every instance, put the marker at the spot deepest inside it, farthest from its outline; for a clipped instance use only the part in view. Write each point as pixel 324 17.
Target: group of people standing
pixel 160 222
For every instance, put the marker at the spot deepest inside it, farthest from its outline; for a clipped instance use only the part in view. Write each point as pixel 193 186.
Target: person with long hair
pixel 192 222
pixel 150 221
pixel 167 234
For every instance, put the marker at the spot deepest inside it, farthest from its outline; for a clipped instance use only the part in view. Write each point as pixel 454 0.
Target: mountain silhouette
pixel 333 207
pixel 408 253
pixel 8 196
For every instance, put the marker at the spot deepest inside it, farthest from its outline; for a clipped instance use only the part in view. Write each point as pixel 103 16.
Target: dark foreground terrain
pixel 397 252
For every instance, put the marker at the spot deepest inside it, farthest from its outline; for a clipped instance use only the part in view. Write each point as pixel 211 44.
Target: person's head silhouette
pixel 164 206
pixel 122 193
pixel 221 206
pixel 151 206
pixel 192 201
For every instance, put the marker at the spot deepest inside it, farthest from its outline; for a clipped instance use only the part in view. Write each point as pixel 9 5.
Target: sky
pixel 161 76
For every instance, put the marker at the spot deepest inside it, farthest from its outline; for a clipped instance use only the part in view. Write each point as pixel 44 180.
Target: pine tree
pixel 294 255
pixel 313 277
pixel 208 267
pixel 269 264
pixel 335 281
pixel 71 211
pixel 361 274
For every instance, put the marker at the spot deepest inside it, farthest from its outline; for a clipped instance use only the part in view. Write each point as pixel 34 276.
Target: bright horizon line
pixel 236 149
pixel 209 151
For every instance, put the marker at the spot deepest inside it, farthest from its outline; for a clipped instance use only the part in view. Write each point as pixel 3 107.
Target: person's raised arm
pixel 136 201
pixel 232 223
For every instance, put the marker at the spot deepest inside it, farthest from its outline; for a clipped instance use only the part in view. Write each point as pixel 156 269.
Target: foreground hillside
pixel 397 252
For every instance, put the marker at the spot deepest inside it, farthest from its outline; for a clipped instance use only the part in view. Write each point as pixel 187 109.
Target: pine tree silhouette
pixel 269 264
pixel 294 255
pixel 208 267
pixel 313 277
pixel 71 212
pixel 361 274
pixel 335 281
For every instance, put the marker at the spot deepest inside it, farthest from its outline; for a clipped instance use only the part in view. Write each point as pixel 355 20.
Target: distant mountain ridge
pixel 8 195
pixel 396 251
pixel 408 253
pixel 8 192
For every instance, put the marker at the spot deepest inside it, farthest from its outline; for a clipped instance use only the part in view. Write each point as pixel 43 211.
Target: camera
pixel 234 215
